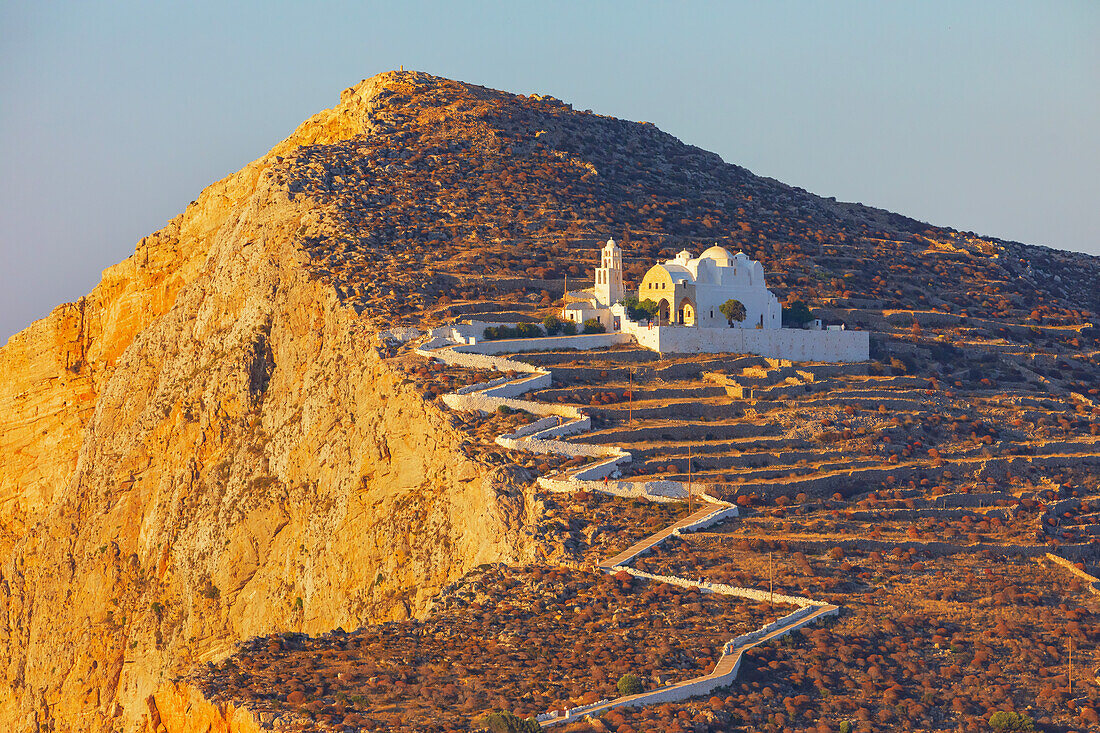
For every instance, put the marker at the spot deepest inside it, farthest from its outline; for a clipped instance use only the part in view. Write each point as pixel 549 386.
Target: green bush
pixel 553 325
pixel 505 722
pixel 639 310
pixel 796 313
pixel 629 684
pixel 569 328
pixel 1006 721
pixel 528 330
pixel 522 330
pixel 593 326
pixel 733 310
pixel 845 727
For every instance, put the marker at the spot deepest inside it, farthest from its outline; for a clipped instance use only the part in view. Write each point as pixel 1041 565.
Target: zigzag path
pixel 541 436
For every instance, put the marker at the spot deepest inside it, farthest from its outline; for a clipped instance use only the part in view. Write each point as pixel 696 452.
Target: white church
pixel 689 292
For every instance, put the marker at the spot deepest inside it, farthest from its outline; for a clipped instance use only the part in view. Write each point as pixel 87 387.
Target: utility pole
pixel 689 480
pixel 771 580
pixel 630 399
pixel 1071 665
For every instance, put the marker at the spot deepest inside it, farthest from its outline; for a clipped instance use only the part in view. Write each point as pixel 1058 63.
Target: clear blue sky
pixel 982 116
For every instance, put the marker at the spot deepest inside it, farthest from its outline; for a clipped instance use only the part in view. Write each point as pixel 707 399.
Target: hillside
pixel 219 442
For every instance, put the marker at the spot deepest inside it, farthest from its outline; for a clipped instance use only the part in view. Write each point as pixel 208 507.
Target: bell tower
pixel 609 275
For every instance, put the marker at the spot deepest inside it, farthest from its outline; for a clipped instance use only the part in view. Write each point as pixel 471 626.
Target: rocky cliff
pixel 181 708
pixel 211 446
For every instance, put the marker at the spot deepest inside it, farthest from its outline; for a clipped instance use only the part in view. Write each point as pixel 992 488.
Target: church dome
pixel 720 255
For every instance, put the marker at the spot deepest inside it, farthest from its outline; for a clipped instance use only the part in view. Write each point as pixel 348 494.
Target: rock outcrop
pixel 180 707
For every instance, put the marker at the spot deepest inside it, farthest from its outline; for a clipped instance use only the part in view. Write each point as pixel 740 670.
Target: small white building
pixel 689 291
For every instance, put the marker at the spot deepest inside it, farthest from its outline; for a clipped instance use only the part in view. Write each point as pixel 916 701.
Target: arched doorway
pixel 685 312
pixel 663 312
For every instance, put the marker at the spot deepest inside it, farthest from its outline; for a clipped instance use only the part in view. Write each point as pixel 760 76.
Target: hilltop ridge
pixel 220 441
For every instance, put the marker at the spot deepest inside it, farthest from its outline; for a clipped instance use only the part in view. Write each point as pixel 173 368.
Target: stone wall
pixel 475 361
pixel 1092 581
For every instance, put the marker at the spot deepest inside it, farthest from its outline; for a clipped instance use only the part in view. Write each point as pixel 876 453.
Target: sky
pixel 982 116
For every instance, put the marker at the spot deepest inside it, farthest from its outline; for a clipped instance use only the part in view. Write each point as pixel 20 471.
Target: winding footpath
pixel 543 435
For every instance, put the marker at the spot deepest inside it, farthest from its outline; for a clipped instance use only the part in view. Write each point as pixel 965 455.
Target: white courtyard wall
pixel 783 343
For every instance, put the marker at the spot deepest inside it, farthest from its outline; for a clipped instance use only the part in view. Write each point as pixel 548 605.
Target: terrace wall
pixel 1093 582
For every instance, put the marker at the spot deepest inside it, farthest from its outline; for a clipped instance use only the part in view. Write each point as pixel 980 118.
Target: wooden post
pixel 1071 665
pixel 630 399
pixel 771 580
pixel 689 480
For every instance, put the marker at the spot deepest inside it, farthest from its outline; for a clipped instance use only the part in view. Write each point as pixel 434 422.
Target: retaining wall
pixel 1093 582
pixel 661 491
pixel 716 518
pixel 511 346
pixel 556 447
pixel 476 361
pixel 706 586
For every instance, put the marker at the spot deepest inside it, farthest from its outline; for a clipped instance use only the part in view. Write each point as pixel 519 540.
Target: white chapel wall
pixel 778 343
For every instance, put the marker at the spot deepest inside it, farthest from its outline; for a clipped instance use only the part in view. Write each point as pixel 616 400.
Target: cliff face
pixel 55 369
pixel 210 447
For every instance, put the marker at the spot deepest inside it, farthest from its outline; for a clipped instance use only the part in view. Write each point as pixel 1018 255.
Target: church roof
pixel 678 272
pixel 717 253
